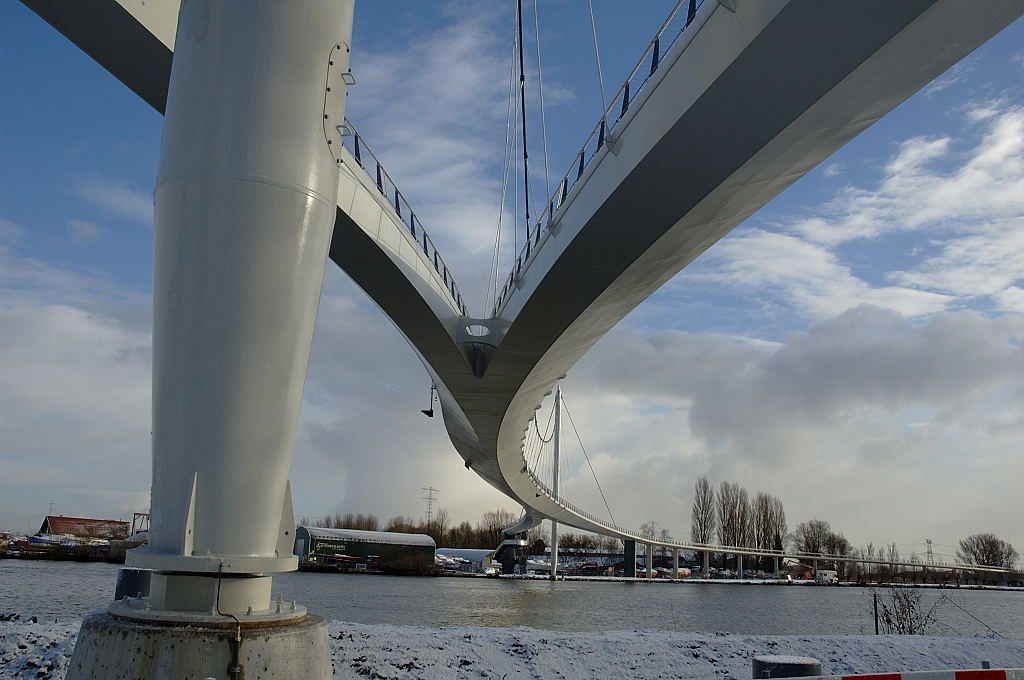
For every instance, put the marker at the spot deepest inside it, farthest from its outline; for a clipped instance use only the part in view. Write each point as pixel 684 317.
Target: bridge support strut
pixel 245 204
pixel 629 558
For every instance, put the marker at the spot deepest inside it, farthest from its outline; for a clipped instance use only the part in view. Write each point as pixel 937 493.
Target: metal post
pixel 675 562
pixel 739 566
pixel 629 558
pixel 232 325
pixel 776 566
pixel 706 568
pixel 554 481
pixel 650 560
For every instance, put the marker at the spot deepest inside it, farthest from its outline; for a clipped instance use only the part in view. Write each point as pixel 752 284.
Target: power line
pixel 429 498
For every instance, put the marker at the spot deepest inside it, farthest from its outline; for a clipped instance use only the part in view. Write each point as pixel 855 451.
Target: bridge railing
pixel 823 556
pixel 681 16
pixel 365 158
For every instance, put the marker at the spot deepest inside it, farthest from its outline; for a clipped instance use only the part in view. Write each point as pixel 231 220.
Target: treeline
pixel 570 541
pixel 729 515
pixel 486 533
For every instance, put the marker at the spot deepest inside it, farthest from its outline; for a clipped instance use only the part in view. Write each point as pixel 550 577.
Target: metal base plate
pixel 139 609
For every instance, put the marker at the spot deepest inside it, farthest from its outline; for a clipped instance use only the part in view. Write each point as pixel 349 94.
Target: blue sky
pixel 858 338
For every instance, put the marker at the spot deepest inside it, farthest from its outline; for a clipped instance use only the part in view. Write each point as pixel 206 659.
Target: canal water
pixel 65 591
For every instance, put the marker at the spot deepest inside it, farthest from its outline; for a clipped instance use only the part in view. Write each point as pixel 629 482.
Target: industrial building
pixel 372 551
pixel 84 528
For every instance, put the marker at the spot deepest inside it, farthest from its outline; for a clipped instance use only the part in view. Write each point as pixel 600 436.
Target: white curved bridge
pixel 731 103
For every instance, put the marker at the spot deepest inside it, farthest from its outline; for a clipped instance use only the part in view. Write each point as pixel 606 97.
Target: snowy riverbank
pixel 41 651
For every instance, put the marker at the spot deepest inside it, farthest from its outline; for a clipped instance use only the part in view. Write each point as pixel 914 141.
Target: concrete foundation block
pixel 771 666
pixel 112 648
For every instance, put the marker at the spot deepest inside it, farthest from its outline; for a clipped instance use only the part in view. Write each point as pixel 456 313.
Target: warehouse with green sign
pixel 373 551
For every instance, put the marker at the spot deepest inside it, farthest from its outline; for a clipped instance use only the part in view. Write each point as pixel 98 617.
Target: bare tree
pixel 364 522
pixel 665 537
pixel 763 526
pixel 744 520
pixel 811 537
pixel 439 523
pixel 728 516
pixel 902 612
pixel 987 549
pixel 734 515
pixel 610 544
pixel 780 529
pixel 492 525
pixel 836 544
pixel 702 517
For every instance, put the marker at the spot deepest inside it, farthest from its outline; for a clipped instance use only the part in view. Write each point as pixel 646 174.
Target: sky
pixel 854 347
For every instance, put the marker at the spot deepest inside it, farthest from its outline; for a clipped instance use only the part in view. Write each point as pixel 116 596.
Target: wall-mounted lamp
pixel 429 411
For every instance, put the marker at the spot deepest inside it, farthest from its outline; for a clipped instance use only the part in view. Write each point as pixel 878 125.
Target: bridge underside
pixel 744 106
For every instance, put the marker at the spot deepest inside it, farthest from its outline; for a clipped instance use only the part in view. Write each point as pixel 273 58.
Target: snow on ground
pixel 31 650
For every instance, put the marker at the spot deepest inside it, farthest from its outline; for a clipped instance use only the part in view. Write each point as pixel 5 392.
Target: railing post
pixel 691 12
pixel 356 150
pixel 655 55
pixel 625 100
pixel 565 190
pixel 600 135
pixel 398 206
pixel 380 179
pixel 579 173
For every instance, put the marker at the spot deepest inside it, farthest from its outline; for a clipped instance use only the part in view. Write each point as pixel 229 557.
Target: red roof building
pixel 81 527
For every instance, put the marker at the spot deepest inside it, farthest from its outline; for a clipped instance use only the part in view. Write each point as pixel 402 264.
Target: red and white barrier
pixel 985 674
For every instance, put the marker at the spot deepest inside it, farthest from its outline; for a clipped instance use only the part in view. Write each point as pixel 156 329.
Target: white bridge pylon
pixel 742 99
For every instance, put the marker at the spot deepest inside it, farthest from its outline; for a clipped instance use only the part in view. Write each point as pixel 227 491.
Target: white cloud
pixel 984 184
pixel 82 230
pixel 985 264
pixel 75 381
pixel 433 110
pixel 74 394
pixel 969 199
pixel 10 232
pixel 833 170
pixel 851 421
pixel 116 198
pixel 810 276
pixel 956 74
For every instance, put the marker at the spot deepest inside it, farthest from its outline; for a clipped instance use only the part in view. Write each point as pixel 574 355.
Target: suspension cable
pixel 540 82
pixel 547 428
pixel 522 97
pixel 510 130
pixel 584 449
pixel 597 58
